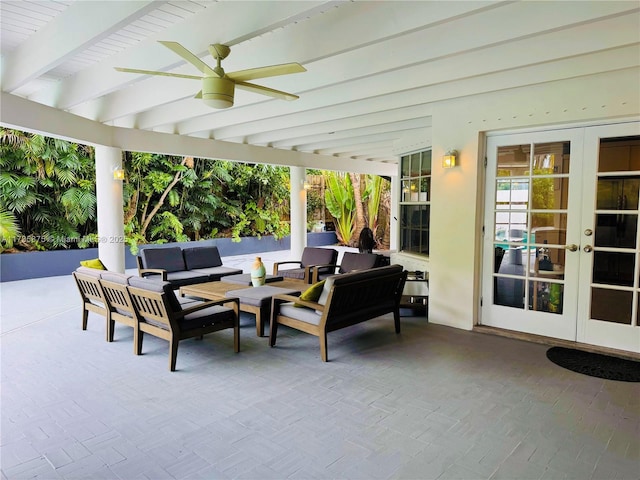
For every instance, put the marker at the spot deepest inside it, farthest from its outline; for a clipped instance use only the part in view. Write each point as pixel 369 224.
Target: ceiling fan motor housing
pixel 218 92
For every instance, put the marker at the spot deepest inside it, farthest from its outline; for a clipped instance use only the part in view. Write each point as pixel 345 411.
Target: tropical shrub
pixel 340 202
pixel 47 186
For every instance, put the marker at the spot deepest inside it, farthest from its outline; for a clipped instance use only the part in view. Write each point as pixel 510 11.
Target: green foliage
pixel 170 227
pixel 542 198
pixel 372 196
pixel 9 229
pixel 260 194
pixel 315 202
pixel 48 186
pixel 191 199
pixel 340 201
pixel 47 192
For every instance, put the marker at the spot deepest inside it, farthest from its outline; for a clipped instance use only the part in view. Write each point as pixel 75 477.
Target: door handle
pixel 588 248
pixel 572 248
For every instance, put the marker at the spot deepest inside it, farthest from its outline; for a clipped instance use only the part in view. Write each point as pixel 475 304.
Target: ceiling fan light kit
pixel 217 92
pixel 218 88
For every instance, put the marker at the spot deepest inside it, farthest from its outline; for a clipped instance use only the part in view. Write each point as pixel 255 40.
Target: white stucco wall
pixel 457 193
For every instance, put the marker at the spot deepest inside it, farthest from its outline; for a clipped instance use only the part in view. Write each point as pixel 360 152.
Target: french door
pixel 609 313
pixel 561 247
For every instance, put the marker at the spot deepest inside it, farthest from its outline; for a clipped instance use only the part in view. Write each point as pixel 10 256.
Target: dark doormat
pixel 595 364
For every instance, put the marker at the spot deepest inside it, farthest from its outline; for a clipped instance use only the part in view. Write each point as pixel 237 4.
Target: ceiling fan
pixel 218 87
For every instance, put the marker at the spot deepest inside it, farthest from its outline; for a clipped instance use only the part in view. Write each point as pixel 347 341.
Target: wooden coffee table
pixel 256 300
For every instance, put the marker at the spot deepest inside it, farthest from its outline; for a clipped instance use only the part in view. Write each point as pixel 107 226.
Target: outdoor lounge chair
pixel 351 262
pixel 159 313
pixel 311 256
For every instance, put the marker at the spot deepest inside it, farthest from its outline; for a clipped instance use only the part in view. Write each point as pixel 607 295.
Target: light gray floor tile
pixel 433 402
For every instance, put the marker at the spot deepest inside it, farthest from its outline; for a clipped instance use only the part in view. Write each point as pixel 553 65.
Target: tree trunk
pixel 361 221
pixel 385 208
pixel 160 202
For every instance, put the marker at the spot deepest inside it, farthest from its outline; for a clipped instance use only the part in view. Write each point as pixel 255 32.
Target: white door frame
pixel 586 331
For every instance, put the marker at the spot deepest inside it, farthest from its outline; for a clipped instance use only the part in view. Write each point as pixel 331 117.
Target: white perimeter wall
pixel 457 193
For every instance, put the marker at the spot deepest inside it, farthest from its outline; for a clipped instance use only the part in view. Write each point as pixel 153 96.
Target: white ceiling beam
pixel 470 69
pixel 358 60
pixel 363 136
pixel 579 66
pixel 345 134
pixel 23 114
pixel 370 146
pixel 371 155
pixel 293 44
pixel 221 22
pixel 282 137
pixel 505 56
pixel 144 141
pixel 69 33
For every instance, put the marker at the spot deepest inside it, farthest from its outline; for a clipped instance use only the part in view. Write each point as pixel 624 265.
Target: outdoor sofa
pixel 183 266
pixel 341 301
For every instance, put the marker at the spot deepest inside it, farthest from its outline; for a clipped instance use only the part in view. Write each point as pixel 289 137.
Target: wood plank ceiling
pixel 374 69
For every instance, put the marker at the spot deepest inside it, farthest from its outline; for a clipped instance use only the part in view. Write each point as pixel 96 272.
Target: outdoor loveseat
pixel 183 266
pixel 341 301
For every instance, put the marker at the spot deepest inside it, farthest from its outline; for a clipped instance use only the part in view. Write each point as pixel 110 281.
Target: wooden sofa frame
pixel 347 299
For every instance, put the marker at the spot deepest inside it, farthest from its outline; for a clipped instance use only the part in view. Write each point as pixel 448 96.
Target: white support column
pixel 298 212
pixel 110 208
pixel 394 233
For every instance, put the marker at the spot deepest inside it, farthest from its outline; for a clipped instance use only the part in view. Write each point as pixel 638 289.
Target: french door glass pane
pixel 513 161
pixel 616 230
pixel 551 158
pixel 546 296
pixel 618 193
pixel 613 268
pixel 611 305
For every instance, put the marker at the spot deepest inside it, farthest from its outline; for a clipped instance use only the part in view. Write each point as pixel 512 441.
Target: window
pixel 415 202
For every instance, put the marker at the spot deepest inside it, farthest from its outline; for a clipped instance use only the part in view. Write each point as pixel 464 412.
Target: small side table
pixel 415 295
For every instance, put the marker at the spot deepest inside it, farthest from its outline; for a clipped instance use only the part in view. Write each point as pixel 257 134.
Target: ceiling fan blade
pixel 153 72
pixel 189 57
pixel 266 91
pixel 263 72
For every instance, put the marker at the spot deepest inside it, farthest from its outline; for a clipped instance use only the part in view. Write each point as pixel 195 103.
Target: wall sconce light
pixel 118 173
pixel 449 159
pixel 306 186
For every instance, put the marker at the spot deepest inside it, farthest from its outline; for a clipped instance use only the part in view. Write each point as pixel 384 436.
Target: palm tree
pixel 9 230
pixel 48 185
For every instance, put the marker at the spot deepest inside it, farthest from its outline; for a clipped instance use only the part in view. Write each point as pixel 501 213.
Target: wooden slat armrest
pixel 207 304
pixel 156 271
pixel 315 271
pixel 276 265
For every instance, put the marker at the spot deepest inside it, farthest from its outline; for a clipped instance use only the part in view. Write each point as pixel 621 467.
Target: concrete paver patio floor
pixel 432 402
